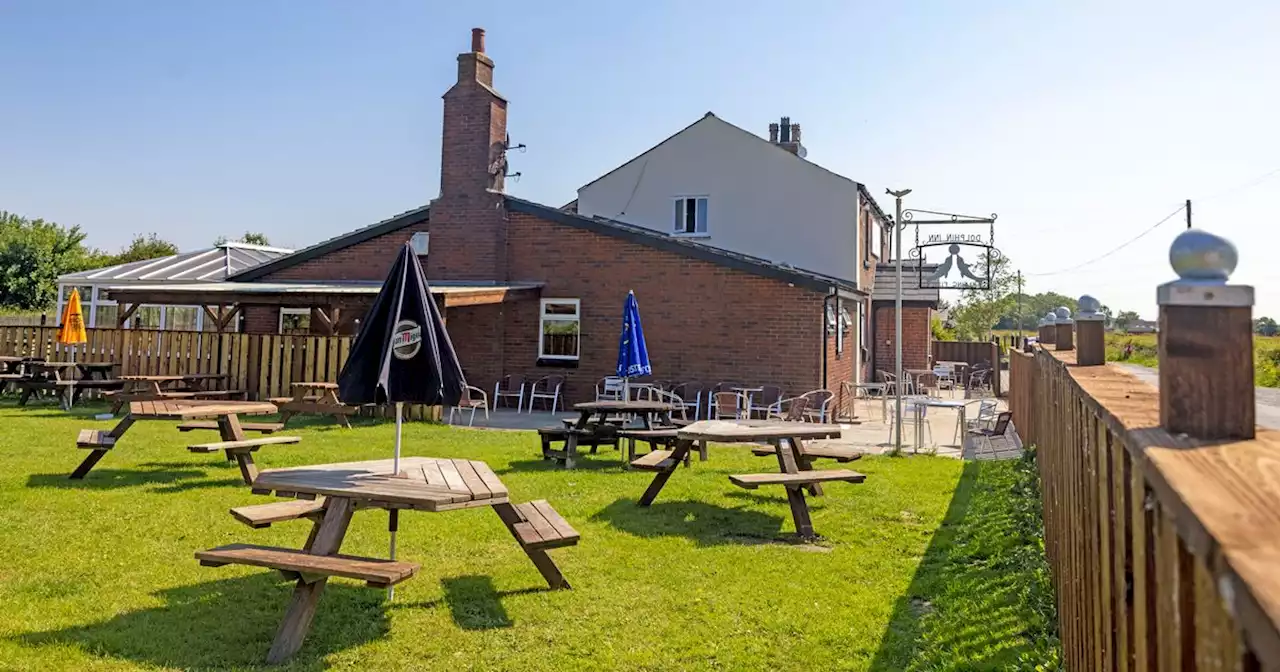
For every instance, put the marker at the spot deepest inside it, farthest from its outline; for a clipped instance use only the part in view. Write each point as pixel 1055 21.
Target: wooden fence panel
pixel 1143 530
pixel 970 352
pixel 264 365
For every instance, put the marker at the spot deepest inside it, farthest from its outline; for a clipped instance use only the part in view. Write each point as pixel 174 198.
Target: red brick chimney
pixel 468 225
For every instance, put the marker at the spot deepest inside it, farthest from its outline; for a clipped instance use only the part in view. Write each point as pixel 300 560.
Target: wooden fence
pixel 263 365
pixel 1165 550
pixel 971 352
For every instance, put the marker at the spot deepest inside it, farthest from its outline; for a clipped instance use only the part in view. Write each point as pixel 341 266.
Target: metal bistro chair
pixel 609 388
pixel 986 415
pixel 727 406
pixel 546 388
pixel 819 404
pixel 911 406
pixel 510 386
pixel 767 401
pixel 999 429
pixel 944 378
pixel 473 398
pixel 796 407
pixel 692 394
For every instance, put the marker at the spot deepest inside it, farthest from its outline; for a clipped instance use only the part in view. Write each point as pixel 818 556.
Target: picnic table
pixel 226 413
pixel 795 463
pixel 599 422
pixel 68 379
pixel 170 387
pixel 330 493
pixel 314 397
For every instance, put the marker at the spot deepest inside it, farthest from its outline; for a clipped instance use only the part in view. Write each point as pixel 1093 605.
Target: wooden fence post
pixel 1062 326
pixel 1093 347
pixel 1206 342
pixel 1047 332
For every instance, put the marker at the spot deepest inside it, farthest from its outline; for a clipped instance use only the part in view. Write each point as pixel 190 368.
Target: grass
pixel 1144 351
pixel 924 567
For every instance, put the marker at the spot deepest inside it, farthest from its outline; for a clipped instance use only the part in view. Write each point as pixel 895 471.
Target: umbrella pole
pixel 393 524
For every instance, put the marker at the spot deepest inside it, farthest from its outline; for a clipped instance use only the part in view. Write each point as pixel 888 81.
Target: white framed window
pixel 690 216
pixel 560 329
pixel 420 242
pixel 296 321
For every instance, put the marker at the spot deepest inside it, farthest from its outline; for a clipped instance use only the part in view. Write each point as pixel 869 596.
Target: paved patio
pixel 870 436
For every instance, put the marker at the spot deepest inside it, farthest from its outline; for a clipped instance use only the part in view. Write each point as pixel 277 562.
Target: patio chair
pixel 508 387
pixel 944 377
pixel 891 383
pixel 796 406
pixel 727 405
pixel 473 398
pixel 547 388
pixel 819 404
pixel 670 398
pixel 910 405
pixel 986 415
pixel 766 401
pixel 609 388
pixel 999 429
pixel 692 394
pixel 980 380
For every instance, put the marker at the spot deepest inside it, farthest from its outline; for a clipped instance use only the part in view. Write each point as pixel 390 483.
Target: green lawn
pixel 99 574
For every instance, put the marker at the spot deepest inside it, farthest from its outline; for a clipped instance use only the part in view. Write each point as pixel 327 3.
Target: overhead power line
pixel 1114 249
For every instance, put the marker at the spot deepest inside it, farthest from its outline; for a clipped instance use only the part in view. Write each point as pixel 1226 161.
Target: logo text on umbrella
pixel 406 340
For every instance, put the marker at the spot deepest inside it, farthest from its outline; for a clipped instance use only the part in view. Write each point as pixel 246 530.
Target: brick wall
pixel 368 260
pixel 702 321
pixel 915 342
pixel 261 319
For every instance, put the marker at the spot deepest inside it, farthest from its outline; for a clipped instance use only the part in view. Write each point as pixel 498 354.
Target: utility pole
pixel 898 226
pixel 1188 208
pixel 1019 304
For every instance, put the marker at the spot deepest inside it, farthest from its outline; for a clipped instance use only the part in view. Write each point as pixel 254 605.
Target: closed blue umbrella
pixel 633 356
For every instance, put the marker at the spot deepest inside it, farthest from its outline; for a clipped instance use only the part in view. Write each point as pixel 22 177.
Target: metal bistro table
pixel 336 491
pixel 787 438
pixel 227 413
pixel 594 415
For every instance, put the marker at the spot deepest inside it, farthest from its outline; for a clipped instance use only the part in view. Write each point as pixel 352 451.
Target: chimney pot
pixel 795 132
pixel 773 133
pixel 477 40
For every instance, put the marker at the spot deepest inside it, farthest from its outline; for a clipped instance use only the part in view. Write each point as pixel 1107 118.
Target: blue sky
pixel 1080 123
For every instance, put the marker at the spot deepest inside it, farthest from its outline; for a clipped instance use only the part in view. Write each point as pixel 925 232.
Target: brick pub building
pixel 533 290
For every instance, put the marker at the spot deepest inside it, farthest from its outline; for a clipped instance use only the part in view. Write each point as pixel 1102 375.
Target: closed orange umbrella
pixel 71 331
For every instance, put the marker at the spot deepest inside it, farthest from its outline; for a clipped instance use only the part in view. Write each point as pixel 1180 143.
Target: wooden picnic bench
pixel 315 398
pixel 234 444
pixel 171 387
pixel 333 492
pixel 598 422
pixel 68 380
pixel 795 461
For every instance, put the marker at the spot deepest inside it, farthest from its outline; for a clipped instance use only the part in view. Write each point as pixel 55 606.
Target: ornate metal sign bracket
pixel 953 271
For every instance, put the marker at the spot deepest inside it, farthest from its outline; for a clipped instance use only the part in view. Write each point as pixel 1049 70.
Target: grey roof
pixel 213 264
pixel 886 287
pixel 353 287
pixel 414 216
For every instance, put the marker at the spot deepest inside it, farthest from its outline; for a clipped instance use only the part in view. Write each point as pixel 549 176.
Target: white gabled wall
pixel 763 201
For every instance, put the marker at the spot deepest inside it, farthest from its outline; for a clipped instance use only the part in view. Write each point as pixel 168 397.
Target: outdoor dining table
pixel 787 438
pixel 227 413
pixel 319 398
pixel 167 386
pixel 596 414
pixel 423 484
pixel 68 379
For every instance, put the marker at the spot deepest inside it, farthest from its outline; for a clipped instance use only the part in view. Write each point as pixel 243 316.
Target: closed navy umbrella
pixel 633 355
pixel 402 353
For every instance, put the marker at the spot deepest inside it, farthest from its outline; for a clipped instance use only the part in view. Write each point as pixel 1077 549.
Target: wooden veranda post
pixel 1089 331
pixel 1062 329
pixel 1206 342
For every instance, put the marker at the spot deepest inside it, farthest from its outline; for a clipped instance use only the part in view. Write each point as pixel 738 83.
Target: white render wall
pixel 762 200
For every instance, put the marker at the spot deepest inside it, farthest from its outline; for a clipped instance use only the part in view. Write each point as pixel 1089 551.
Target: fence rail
pixel 262 365
pixel 1165 549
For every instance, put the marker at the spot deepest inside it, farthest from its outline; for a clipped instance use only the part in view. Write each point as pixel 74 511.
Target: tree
pixel 248 237
pixel 33 253
pixel 1034 306
pixel 1124 320
pixel 981 309
pixel 142 248
pixel 1265 326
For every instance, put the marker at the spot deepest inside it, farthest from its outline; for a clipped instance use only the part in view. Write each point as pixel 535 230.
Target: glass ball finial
pixel 1202 256
pixel 1062 313
pixel 1088 305
pixel 1050 317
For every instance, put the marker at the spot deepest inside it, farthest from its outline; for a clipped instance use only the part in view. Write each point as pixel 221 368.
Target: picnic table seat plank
pixel 95 438
pixel 375 572
pixel 259 516
pixel 264 427
pixel 240 445
pixel 816 449
pixel 654 460
pixel 753 481
pixel 542 527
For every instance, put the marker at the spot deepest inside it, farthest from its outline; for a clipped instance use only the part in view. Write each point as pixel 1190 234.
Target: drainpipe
pixel 826 332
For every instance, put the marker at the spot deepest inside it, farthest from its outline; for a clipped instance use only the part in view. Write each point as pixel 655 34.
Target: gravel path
pixel 1267 398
